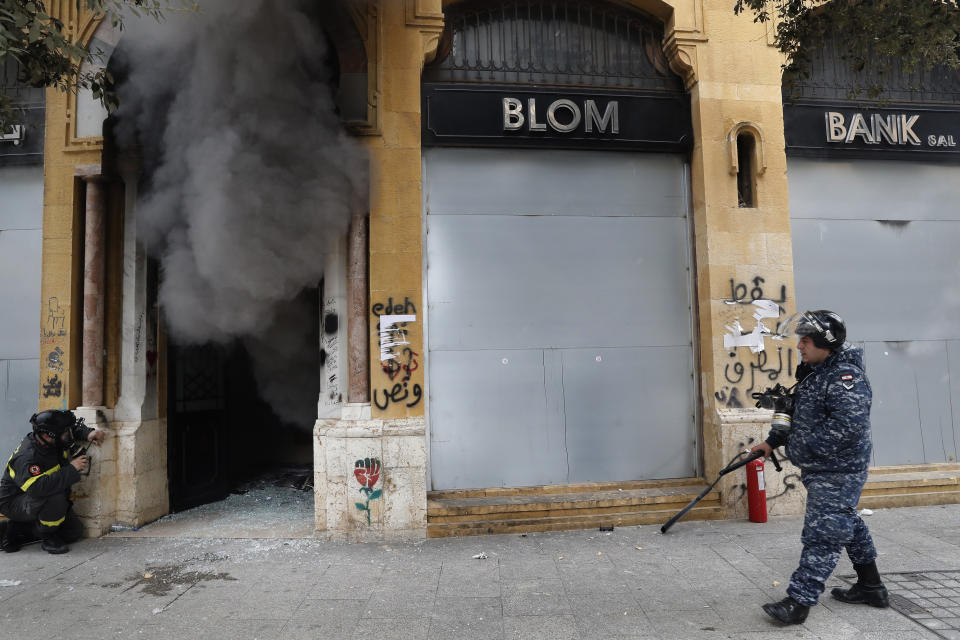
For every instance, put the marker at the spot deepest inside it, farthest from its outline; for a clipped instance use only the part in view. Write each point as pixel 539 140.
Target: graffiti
pixel 390 309
pixel 55 359
pixel 397 360
pixel 367 472
pixel 731 401
pixel 740 291
pixel 56 326
pixel 53 387
pixel 744 377
pixel 398 393
pixel 138 338
pixel 330 354
pixel 789 483
pixel 405 364
pixel 331 323
pixel 393 333
pixel 759 365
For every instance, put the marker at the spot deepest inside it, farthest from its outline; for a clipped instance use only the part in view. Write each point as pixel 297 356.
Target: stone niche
pixel 370 478
pixel 741 429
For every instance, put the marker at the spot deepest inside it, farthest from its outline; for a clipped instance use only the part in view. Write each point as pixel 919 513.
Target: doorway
pixel 223 435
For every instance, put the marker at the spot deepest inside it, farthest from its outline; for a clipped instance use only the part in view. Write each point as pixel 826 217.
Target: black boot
pixel 7 542
pixel 869 588
pixel 787 611
pixel 51 543
pixel 13 535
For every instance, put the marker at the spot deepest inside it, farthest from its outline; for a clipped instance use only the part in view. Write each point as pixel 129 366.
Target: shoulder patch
pixel 847 381
pixel 34 469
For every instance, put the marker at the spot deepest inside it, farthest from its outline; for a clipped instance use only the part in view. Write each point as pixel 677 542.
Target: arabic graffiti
pixel 730 398
pixel 53 387
pixel 55 323
pixel 331 394
pixel 739 291
pixel 738 373
pixel 405 363
pixel 398 393
pixel 789 483
pixel 398 360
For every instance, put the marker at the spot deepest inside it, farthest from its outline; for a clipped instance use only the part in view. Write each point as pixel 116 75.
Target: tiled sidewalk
pixel 932 598
pixel 702 580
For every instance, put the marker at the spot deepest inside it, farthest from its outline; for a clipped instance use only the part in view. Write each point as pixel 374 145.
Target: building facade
pixel 581 215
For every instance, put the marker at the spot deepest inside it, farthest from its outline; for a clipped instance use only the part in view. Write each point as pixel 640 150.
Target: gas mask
pixel 58 425
pixel 780 399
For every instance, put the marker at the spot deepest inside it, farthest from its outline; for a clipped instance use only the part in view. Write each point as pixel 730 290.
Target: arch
pixel 750 128
pixel 347 28
pixel 680 37
pixel 596 43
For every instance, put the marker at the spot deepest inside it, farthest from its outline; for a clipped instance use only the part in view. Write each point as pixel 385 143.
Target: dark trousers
pixel 49 515
pixel 831 524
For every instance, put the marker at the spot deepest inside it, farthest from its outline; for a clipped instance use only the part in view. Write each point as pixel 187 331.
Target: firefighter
pixel 829 440
pixel 35 487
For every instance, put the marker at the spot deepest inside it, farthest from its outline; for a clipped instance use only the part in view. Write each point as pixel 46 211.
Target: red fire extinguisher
pixel 756 491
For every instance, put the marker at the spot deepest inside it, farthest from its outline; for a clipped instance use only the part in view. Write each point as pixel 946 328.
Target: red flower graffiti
pixel 367 471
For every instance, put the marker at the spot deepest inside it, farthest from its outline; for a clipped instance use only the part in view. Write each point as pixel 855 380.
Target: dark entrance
pixel 221 433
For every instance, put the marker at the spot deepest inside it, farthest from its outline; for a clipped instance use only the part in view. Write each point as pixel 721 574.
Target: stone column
pixel 358 331
pixel 94 279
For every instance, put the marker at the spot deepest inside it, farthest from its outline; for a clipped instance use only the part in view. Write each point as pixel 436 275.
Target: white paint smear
pixel 391 335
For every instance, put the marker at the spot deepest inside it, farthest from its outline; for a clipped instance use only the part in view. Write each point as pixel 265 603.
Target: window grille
pixel 566 43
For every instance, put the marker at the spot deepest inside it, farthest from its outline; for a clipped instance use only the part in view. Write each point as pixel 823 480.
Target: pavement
pixel 700 580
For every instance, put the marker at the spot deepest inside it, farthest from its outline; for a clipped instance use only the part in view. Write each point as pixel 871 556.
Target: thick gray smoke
pixel 249 174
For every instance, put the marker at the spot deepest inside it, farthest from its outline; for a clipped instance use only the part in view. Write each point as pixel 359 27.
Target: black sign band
pixel 504 116
pixel 903 132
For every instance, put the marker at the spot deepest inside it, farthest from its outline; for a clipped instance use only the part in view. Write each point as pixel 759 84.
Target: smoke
pixel 249 174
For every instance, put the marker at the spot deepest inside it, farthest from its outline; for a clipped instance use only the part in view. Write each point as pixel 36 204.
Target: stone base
pixel 741 429
pixel 127 483
pixel 370 478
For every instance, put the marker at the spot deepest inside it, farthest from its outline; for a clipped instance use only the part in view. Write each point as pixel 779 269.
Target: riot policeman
pixel 829 440
pixel 35 486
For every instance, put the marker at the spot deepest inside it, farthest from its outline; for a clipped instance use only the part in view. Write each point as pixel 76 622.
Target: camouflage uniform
pixel 830 442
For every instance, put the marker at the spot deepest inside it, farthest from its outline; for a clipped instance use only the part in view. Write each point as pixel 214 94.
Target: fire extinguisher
pixel 756 491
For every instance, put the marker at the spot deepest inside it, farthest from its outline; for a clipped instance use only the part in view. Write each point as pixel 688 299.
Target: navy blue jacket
pixel 831 417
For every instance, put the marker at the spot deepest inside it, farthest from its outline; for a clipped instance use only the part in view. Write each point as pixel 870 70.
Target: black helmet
pixel 825 328
pixel 56 423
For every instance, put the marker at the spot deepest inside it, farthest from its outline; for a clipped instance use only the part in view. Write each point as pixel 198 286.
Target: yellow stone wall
pixel 62 271
pixel 410 30
pixel 733 74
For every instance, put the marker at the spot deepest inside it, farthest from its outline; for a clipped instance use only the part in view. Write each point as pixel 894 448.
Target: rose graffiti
pixel 367 472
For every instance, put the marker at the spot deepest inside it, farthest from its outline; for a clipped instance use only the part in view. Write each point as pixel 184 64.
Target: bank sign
pixel 484 115
pixel 900 132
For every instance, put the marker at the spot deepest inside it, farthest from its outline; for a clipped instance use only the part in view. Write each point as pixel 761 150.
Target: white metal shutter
pixel 559 321
pixel 879 243
pixel 21 215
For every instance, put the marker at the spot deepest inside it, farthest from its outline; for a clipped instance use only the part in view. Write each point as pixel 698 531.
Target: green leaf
pixel 362 506
pixel 376 494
